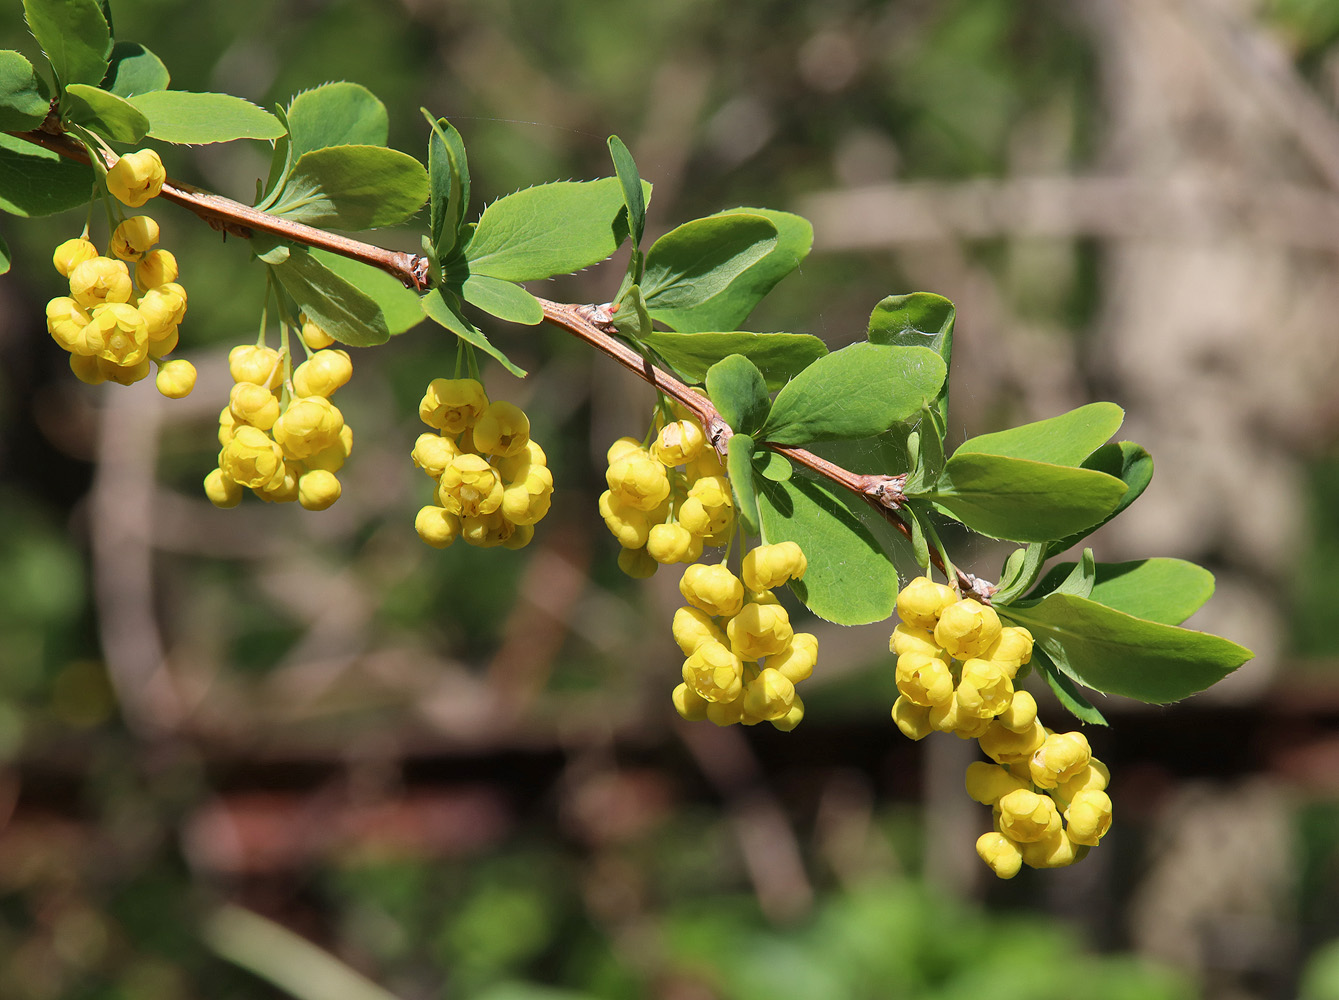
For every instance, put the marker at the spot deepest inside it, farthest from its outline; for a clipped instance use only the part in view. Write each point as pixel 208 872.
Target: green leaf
pixel 1064 440
pixel 779 356
pixel 112 117
pixel 503 299
pixel 727 308
pixel 23 94
pixel 353 187
pixel 442 307
pixel 1066 691
pixel 625 168
pixel 859 391
pixel 1111 651
pixel 337 306
pixel 1020 572
pixel 1129 463
pixel 189 118
pixel 631 318
pixel 135 70
pixel 850 580
pixel 336 114
pixel 918 319
pixel 739 465
pixel 1021 500
pixel 739 393
pixel 75 37
pixel 399 305
pixel 1082 575
pixel 449 182
pixel 694 263
pixel 35 181
pixel 772 466
pixel 5 257
pixel 549 229
pixel 1160 590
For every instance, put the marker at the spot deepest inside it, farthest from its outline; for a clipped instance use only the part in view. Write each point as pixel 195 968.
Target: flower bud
pixel 99 280
pixel 1061 757
pixel 1000 853
pixel 134 237
pixel 136 177
pixel 222 491
pixel 318 489
pixel 921 601
pixel 71 254
pixel 967 628
pixel 714 673
pixel 712 588
pixel 759 630
pixel 176 379
pixel 452 404
pixel 1026 816
pixel 437 527
pixel 322 373
pixel 769 566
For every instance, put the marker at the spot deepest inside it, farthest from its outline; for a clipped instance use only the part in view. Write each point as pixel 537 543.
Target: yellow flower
pixel 678 443
pixel 798 659
pixel 502 429
pixel 988 783
pixel 1000 853
pixel 768 696
pixel 157 267
pixel 452 405
pixel 967 628
pixel 322 373
pixel 251 458
pixel 437 526
pixel 136 177
pixel 176 379
pixel 262 365
pixel 921 601
pixel 318 489
pixel 1026 817
pixel 925 680
pixel 470 487
pixel 712 588
pixel 714 672
pixel 1061 757
pixel 100 279
pixel 769 566
pixel 309 425
pixel 134 237
pixel 637 480
pixel 673 543
pixel 117 333
pixel 912 719
pixel 759 630
pixel 692 627
pixel 71 254
pixel 1088 817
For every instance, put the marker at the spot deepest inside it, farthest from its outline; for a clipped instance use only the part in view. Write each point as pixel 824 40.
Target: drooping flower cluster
pixel 117 325
pixel 281 436
pixel 664 503
pixel 743 658
pixel 493 481
pixel 956 667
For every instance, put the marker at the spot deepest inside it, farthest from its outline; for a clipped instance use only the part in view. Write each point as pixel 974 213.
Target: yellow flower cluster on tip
pixel 956 667
pixel 115 324
pixel 493 481
pixel 743 658
pixel 280 435
pixel 665 502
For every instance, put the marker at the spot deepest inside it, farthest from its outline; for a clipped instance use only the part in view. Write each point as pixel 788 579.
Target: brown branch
pixel 242 220
pixel 593 324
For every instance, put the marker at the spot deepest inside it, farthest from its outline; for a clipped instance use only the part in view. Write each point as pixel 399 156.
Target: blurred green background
pixel 267 753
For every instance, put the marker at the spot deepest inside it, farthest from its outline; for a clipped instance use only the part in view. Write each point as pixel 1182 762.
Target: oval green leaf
pixel 504 299
pixel 35 181
pixel 549 229
pixel 1064 440
pixel 1160 590
pixel 859 391
pixel 112 117
pixel 739 393
pixel 739 464
pixel 341 309
pixel 336 114
pixel 23 94
pixel 1129 463
pixel 625 168
pixel 399 305
pixel 727 308
pixel 690 265
pixel 189 118
pixel 850 580
pixel 353 187
pixel 779 356
pixel 1021 500
pixel 449 185
pixel 1111 651
pixel 135 70
pixel 75 37
pixel 917 319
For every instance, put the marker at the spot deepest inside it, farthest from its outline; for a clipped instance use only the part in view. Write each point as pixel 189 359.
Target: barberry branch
pixel 593 324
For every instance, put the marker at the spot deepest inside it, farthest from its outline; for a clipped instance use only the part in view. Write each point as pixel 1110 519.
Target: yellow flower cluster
pixel 956 666
pixel 281 436
pixel 743 658
pixel 665 503
pixel 493 481
pixel 117 325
